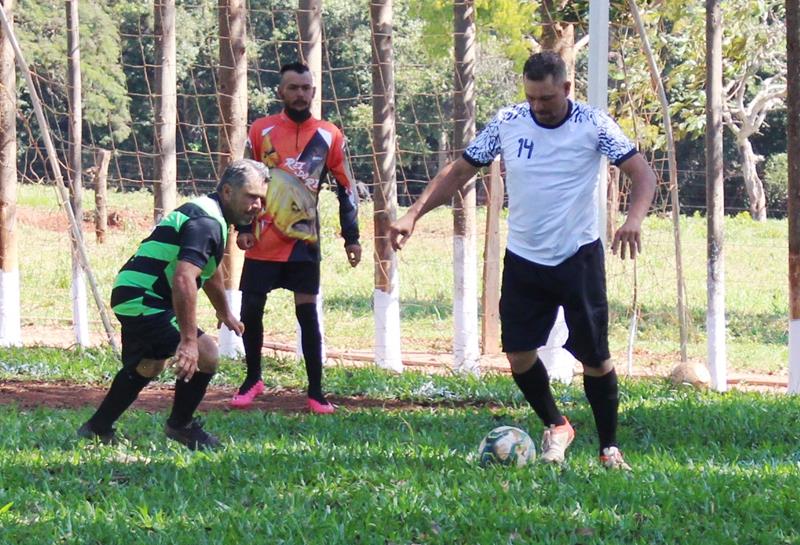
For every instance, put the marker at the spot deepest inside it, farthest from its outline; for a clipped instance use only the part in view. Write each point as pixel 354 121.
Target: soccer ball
pixel 507 446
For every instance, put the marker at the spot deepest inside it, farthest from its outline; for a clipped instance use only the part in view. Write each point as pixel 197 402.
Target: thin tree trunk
pixel 793 153
pixel 466 352
pixel 80 318
pixel 490 326
pixel 102 159
pixel 9 274
pixel 715 317
pixel 309 22
pixel 655 76
pixel 165 192
pixel 752 182
pixel 386 296
pixel 233 114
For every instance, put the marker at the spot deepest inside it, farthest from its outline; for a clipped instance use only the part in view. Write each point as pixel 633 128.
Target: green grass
pixel 709 468
pixel 756 283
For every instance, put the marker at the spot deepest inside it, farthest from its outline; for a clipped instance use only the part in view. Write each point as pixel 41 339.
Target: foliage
pixel 380 476
pixel 43 38
pixel 776 181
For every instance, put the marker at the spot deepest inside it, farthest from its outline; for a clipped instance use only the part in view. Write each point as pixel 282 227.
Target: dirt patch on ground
pixel 56 220
pixel 63 395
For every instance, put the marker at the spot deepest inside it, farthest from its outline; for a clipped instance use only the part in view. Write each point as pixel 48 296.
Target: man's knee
pixel 208 360
pixel 521 361
pixel 304 298
pixel 150 368
pixel 600 370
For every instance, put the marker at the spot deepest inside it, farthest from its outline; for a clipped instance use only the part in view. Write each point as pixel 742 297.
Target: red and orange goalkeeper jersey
pixel 288 227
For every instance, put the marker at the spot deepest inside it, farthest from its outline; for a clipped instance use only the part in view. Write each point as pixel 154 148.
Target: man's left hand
pixel 231 322
pixel 353 254
pixel 628 238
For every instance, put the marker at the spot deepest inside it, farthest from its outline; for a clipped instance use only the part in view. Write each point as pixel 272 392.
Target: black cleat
pixel 86 432
pixel 192 436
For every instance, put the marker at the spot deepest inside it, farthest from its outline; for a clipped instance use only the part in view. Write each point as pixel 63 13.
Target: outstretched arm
pixel 643 187
pixel 439 191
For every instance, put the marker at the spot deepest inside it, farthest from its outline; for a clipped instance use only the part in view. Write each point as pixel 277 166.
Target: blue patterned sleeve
pixel 611 141
pixel 486 146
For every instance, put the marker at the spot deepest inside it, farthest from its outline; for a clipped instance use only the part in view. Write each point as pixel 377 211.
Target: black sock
pixel 123 392
pixel 603 395
pixel 188 396
pixel 311 341
pixel 535 386
pixel 253 336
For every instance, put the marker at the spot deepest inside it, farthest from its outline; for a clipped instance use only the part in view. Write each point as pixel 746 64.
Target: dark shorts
pixel 264 276
pixel 532 293
pixel 154 337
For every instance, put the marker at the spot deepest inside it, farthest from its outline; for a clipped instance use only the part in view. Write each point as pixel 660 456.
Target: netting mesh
pixel 120 116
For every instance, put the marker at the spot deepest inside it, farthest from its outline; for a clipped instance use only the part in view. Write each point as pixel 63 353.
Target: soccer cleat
pixel 555 441
pixel 242 401
pixel 86 432
pixel 611 458
pixel 192 436
pixel 320 408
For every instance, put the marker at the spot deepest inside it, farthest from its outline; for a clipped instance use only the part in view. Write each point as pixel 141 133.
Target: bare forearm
pixel 184 301
pixel 215 290
pixel 643 186
pixel 443 186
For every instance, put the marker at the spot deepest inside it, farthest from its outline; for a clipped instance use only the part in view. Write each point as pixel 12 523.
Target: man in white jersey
pixel 552 147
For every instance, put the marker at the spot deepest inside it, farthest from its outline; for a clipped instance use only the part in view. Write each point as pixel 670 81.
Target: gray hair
pixel 240 171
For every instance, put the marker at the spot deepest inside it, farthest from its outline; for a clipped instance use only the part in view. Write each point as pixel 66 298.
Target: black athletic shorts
pixel 264 276
pixel 154 337
pixel 531 294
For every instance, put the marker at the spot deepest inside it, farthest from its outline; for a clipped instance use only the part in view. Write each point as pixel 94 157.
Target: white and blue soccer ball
pixel 506 445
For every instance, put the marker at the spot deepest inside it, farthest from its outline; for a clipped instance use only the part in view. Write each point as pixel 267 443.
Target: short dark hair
pixel 543 64
pixel 299 67
pixel 238 172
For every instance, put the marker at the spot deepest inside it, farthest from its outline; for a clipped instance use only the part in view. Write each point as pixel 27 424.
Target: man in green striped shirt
pixel 155 300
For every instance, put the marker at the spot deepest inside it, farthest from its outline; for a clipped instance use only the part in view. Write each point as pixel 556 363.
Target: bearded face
pixel 291 206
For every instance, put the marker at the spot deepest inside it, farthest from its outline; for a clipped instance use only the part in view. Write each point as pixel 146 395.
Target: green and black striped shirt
pixel 195 232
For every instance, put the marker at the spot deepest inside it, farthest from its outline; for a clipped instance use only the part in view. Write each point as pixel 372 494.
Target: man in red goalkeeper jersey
pixel 281 246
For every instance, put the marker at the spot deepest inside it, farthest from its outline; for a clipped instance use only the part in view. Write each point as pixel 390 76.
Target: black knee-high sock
pixel 535 386
pixel 253 337
pixel 603 395
pixel 311 341
pixel 188 396
pixel 123 392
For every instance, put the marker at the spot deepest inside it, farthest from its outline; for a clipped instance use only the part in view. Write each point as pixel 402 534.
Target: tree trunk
pixel 80 311
pixel 559 37
pixel 753 184
pixel 10 334
pixel 233 114
pixel 165 192
pixel 465 293
pixel 793 183
pixel 386 297
pixel 715 308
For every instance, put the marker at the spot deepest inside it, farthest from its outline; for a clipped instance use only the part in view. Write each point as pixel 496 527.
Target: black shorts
pixel 264 276
pixel 531 294
pixel 154 337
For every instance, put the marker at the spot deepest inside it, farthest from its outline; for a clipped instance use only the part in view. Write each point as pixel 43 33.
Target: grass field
pixel 708 468
pixel 756 282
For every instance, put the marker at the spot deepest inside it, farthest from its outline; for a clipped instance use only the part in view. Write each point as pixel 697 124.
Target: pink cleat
pixel 242 401
pixel 320 408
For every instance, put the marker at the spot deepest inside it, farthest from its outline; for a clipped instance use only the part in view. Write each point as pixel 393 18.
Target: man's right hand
pixel 245 241
pixel 184 363
pixel 401 230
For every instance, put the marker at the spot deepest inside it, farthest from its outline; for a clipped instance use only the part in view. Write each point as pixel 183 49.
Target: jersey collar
pixel 557 125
